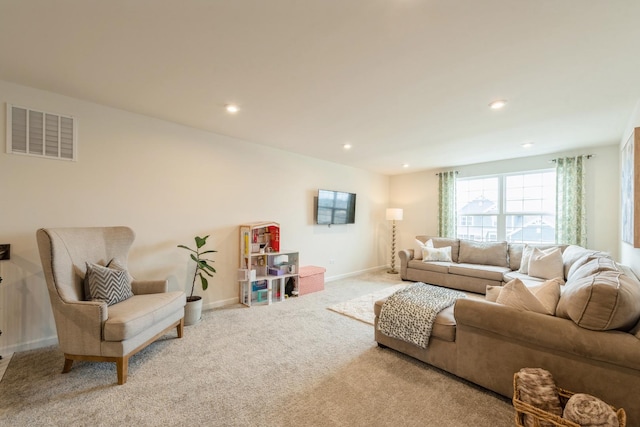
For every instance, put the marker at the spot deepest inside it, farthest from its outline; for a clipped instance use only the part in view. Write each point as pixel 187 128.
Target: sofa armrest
pixel 405 255
pixel 141 287
pixel 79 325
pixel 550 332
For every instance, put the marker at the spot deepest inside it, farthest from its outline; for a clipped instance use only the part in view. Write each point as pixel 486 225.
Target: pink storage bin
pixel 311 279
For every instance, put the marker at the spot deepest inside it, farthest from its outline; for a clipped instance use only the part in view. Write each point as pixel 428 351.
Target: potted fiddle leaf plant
pixel 203 268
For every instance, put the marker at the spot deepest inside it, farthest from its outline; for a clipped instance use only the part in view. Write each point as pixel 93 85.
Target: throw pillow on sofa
pixel 524 262
pixel 441 242
pixel 436 254
pixel 421 245
pixel 541 298
pixel 521 260
pixel 546 264
pixel 603 301
pixel 492 292
pixel 108 284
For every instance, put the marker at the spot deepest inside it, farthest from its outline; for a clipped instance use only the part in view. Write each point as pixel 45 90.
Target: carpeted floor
pixel 293 363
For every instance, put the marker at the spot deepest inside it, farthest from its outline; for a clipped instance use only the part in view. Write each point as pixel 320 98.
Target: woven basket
pixel 538 415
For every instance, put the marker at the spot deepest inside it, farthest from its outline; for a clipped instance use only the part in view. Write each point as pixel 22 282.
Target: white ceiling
pixel 403 81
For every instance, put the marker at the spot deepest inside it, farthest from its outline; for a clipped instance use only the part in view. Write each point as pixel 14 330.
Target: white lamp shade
pixel 394 214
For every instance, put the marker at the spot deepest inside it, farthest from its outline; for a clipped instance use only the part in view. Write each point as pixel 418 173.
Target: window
pixel 518 208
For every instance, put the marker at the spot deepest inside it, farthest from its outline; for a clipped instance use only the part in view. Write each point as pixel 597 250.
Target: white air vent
pixel 37 133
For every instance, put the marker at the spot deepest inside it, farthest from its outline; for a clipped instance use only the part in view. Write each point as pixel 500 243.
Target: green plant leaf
pixel 201 241
pixel 193 257
pixel 206 267
pixel 205 283
pixel 184 247
pixel 208 252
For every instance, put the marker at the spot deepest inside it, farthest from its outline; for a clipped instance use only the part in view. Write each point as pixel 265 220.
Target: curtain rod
pixel 440 173
pixel 588 156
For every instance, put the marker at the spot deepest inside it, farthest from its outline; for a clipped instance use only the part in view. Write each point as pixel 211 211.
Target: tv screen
pixel 336 207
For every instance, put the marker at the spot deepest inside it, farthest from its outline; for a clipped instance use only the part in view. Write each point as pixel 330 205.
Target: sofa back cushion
pixel 515 255
pixel 602 301
pixel 591 266
pixel 441 242
pixel 575 254
pixel 485 253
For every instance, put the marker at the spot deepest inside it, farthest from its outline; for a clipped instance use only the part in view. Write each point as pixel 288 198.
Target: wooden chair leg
pixel 122 366
pixel 67 365
pixel 180 328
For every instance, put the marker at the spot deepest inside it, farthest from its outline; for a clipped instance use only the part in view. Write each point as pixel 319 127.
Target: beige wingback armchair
pixel 91 330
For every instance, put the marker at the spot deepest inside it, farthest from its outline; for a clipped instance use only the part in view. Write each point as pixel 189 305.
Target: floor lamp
pixel 393 215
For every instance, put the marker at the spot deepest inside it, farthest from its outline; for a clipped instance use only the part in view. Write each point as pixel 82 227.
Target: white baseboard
pixel 355 273
pixel 221 303
pixel 30 345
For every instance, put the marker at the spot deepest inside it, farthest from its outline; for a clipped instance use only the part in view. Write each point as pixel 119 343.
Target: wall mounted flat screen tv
pixel 336 207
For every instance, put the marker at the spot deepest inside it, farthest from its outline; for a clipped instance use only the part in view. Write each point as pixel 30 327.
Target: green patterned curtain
pixel 571 220
pixel 447 204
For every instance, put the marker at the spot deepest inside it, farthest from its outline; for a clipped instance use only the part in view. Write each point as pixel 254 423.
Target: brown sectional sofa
pixel 474 265
pixel 591 345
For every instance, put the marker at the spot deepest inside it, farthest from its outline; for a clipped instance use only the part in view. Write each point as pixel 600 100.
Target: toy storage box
pixel 311 279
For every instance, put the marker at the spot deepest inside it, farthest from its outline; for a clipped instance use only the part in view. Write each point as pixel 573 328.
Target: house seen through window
pixel 518 208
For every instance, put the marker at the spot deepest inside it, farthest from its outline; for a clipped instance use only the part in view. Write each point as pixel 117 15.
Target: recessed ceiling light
pixel 498 104
pixel 406 165
pixel 347 146
pixel 528 144
pixel 232 108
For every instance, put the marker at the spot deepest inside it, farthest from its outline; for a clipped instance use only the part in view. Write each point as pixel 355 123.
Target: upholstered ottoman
pixel 311 279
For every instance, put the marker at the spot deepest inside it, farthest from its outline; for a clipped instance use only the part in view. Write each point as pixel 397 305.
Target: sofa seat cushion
pixel 603 301
pixel 489 272
pixel 525 278
pixel 128 318
pixel 436 266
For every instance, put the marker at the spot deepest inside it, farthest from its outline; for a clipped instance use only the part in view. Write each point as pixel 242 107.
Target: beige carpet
pixel 293 363
pixel 361 308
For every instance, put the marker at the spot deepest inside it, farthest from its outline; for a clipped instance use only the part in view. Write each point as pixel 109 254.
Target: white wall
pixel 628 254
pixel 169 183
pixel 417 193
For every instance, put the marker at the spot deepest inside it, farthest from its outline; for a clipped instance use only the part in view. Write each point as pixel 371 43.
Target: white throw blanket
pixel 408 314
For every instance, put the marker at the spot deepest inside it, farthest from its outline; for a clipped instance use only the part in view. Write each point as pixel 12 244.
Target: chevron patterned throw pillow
pixel 108 284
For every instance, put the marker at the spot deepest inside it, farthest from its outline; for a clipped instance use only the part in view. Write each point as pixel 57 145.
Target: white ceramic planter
pixel 193 311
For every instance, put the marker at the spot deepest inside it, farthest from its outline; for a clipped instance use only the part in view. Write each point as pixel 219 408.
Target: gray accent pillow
pixel 484 253
pixel 108 284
